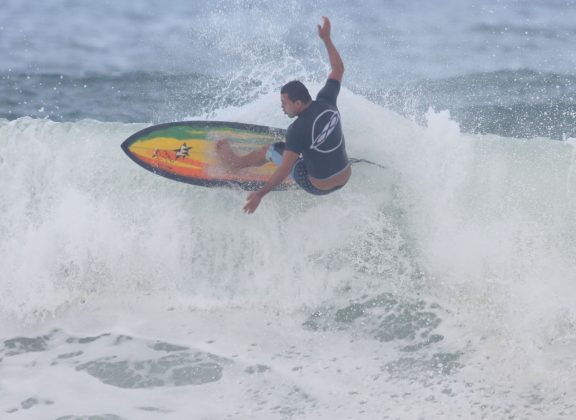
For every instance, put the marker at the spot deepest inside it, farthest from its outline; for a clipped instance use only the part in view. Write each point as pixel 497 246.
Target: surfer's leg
pixel 234 161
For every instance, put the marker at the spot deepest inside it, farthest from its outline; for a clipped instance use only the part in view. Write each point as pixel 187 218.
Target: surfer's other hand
pixel 252 202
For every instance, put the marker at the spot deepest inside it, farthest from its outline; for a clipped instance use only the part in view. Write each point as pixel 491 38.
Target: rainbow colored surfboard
pixel 185 152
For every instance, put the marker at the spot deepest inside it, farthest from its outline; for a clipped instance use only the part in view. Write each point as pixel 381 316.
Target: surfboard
pixel 185 151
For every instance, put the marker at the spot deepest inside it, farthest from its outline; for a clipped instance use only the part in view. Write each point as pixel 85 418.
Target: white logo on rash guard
pixel 329 127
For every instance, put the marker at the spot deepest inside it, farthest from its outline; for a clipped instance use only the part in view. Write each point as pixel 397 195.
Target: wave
pixel 456 259
pixel 482 222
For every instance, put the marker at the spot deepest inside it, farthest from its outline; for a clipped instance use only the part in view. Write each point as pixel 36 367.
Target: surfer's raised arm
pixel 336 62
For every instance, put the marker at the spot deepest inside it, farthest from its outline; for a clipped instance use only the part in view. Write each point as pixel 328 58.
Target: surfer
pixel 314 153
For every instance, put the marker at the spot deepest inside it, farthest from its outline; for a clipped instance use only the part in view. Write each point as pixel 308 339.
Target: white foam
pixel 482 225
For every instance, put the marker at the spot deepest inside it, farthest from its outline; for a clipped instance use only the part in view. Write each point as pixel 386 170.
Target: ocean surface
pixel 441 286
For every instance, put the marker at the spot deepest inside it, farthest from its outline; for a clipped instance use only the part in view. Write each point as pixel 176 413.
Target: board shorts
pixel 299 172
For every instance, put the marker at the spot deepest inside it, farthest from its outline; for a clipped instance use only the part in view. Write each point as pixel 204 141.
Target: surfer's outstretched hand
pixel 252 202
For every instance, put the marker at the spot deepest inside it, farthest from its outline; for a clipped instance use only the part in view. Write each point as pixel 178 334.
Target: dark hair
pixel 296 91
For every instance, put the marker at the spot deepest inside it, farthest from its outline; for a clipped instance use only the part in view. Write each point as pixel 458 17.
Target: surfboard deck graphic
pixel 186 152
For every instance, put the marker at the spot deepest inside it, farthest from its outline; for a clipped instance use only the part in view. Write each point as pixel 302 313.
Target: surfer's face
pixel 290 108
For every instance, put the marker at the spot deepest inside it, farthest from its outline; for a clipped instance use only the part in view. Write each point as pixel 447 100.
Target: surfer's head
pixel 295 98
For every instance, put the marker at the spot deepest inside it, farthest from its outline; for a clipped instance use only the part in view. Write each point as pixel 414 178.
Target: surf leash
pixel 353 161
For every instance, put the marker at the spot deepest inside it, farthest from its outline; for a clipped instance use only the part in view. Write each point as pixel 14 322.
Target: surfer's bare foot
pixel 227 155
pixel 232 161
